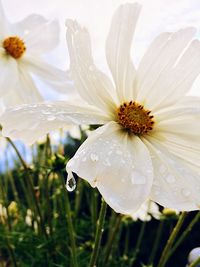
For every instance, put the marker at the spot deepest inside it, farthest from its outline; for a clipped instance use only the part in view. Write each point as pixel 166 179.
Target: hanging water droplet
pixel 71 182
pixel 94 157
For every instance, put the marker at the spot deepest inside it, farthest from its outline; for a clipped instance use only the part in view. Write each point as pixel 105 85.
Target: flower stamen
pixel 133 117
pixel 14 46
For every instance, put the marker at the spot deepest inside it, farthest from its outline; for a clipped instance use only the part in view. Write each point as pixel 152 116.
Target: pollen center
pixel 133 117
pixel 14 46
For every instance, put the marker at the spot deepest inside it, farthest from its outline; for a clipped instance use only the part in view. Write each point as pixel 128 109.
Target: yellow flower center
pixel 14 46
pixel 133 117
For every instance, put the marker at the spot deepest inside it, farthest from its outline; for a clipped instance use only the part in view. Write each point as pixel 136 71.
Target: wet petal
pixel 32 121
pixel 176 183
pixel 118 165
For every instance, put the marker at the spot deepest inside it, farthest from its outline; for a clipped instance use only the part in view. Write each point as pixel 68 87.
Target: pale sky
pixel 156 16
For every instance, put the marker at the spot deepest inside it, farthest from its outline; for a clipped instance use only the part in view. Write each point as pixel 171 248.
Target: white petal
pixel 176 184
pixel 9 75
pixel 5 25
pixel 118 165
pixel 93 85
pixel 118 48
pixel 164 71
pixel 58 79
pixel 31 121
pixel 39 34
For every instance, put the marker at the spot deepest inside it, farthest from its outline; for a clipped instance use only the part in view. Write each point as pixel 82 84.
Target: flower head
pixel 148 146
pixel 22 46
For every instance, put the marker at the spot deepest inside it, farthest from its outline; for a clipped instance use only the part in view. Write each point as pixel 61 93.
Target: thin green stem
pixel 185 233
pixel 156 243
pixel 98 235
pixel 30 186
pixel 112 238
pixel 139 241
pixel 165 253
pixel 71 230
pixel 195 263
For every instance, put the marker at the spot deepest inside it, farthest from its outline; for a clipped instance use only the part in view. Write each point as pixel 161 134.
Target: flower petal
pixel 5 25
pixel 118 48
pixel 31 121
pixel 39 34
pixel 168 69
pixel 58 79
pixel 118 165
pixel 9 75
pixel 93 85
pixel 176 184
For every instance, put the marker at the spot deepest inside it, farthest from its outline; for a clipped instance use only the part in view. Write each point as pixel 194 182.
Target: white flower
pixel 149 144
pixel 147 210
pixel 22 47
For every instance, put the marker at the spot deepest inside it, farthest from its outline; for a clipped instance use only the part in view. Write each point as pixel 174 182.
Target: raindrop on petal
pixel 170 179
pixel 186 192
pixel 138 177
pixel 94 157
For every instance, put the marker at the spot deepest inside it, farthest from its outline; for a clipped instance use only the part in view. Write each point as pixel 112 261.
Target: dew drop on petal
pixel 138 177
pixel 71 182
pixel 170 179
pixel 51 118
pixel 186 192
pixel 94 157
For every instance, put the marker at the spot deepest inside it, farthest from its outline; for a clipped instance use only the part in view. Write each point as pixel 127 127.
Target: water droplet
pixel 170 179
pixel 186 192
pixel 71 182
pixel 51 118
pixel 46 112
pixel 138 177
pixel 94 157
pixel 119 152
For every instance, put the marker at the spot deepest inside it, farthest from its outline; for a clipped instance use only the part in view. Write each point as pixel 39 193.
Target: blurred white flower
pixel 149 144
pixel 194 255
pixel 22 47
pixel 147 210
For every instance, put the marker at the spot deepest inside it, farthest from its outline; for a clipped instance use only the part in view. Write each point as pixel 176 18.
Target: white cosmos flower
pixel 148 146
pixel 22 47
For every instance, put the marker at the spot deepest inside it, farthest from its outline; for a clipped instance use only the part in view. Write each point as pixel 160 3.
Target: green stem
pixel 165 253
pixel 30 186
pixel 139 241
pixel 185 233
pixel 98 235
pixel 156 243
pixel 112 238
pixel 195 263
pixel 70 226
